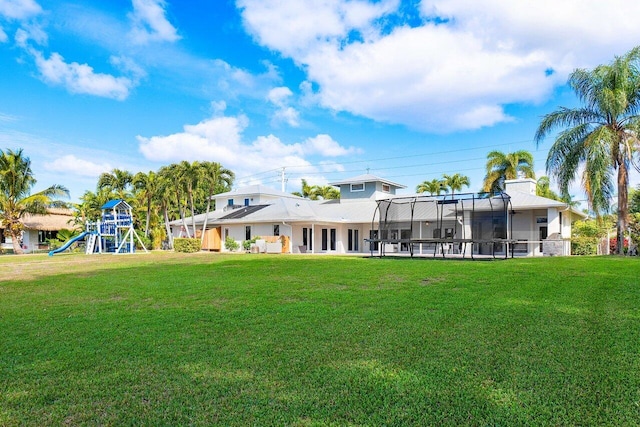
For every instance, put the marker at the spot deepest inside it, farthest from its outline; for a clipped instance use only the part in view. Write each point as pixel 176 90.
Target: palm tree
pixel 455 182
pixel 216 179
pixel 543 188
pixel 307 190
pixel 173 194
pixel 600 137
pixel 117 181
pixel 147 186
pixel 326 192
pixel 189 176
pixel 16 181
pixel 501 166
pixel 435 186
pixel 164 197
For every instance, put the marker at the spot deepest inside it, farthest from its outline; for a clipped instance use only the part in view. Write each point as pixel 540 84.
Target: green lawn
pixel 169 339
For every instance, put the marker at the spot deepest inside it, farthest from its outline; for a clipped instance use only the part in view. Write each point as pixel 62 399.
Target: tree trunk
pixel 623 208
pixel 15 241
pixel 204 223
pixel 146 226
pixel 166 225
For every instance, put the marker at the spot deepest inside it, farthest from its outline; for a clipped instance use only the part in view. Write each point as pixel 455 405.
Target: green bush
pixel 186 245
pixel 584 246
pixel 247 243
pixel 146 240
pixel 230 244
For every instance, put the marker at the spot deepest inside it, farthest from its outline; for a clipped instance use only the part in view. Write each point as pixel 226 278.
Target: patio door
pixel 543 235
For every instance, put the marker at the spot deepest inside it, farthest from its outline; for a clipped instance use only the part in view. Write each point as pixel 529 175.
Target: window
pixel 247 232
pixel 230 202
pixel 226 233
pixel 246 202
pixel 386 188
pixel 305 239
pixel 357 187
pixel 324 239
pixel 44 236
pixel 561 223
pixel 373 235
pixel 352 240
pixel 333 239
pixel 276 230
pixel 436 233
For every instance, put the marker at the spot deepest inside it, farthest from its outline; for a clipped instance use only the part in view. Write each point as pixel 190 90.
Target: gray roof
pixel 366 178
pixel 296 209
pixel 256 189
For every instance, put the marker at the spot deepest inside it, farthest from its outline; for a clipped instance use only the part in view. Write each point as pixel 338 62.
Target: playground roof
pixel 113 203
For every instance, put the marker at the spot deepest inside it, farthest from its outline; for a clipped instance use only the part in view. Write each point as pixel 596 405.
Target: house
pixel 516 222
pixel 38 229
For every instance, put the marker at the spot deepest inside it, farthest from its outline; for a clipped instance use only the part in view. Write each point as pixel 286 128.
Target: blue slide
pixel 68 243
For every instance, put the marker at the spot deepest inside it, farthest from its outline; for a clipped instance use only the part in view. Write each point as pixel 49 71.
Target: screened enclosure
pixel 461 225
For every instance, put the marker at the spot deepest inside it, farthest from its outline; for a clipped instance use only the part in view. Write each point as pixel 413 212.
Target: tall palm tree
pixel 435 186
pixel 117 181
pixel 189 176
pixel 543 188
pixel 173 192
pixel 16 181
pixel 307 191
pixel 455 182
pixel 164 197
pixel 600 137
pixel 215 179
pixel 501 166
pixel 146 185
pixel 325 192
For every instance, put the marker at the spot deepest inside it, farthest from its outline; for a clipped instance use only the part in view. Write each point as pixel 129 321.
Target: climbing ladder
pixel 91 242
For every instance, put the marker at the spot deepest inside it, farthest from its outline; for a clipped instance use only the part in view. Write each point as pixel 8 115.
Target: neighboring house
pixel 344 225
pixel 38 229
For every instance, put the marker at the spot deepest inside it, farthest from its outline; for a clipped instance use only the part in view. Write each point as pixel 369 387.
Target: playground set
pixel 114 233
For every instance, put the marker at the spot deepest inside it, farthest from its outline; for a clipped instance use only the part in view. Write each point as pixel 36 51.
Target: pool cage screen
pixel 460 225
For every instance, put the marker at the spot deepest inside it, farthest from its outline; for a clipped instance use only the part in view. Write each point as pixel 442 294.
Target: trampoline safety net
pixel 460 225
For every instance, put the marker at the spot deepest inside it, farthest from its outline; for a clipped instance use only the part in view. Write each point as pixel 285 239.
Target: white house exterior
pixel 541 226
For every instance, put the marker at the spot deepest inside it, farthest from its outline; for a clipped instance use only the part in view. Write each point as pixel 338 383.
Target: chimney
pixel 522 185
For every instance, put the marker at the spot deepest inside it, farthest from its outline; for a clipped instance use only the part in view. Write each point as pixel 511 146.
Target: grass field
pixel 169 339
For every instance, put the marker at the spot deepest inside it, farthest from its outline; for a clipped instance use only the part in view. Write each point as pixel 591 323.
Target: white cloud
pixel 81 78
pixel 3 36
pixel 30 32
pixel 150 22
pixel 295 27
pixel 220 139
pixel 326 146
pixel 70 164
pixel 19 9
pixel 279 97
pixel 457 69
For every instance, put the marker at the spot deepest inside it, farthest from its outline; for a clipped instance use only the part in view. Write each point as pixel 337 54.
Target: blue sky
pixel 407 90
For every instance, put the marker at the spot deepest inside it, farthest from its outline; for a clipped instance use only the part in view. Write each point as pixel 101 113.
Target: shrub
pixel 247 243
pixel 230 244
pixel 186 245
pixel 146 240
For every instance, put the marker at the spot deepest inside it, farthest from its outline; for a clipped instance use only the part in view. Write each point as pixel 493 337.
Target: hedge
pixel 186 245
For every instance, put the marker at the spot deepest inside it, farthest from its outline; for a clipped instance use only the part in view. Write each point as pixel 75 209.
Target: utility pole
pixel 283 180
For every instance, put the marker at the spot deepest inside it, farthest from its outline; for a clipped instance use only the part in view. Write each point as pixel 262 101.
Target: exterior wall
pixel 30 240
pixel 525 185
pixel 522 229
pixel 369 191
